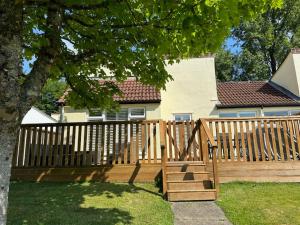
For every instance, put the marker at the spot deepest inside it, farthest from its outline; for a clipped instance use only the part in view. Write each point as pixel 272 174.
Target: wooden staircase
pixel 188 181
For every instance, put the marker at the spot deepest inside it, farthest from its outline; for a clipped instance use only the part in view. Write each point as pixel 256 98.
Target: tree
pixel 75 39
pixel 224 61
pixel 50 93
pixel 267 40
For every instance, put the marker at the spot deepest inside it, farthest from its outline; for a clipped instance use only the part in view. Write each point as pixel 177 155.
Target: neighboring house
pixel 195 93
pixel 34 115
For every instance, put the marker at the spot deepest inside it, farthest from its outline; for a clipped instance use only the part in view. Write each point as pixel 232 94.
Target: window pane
pixel 123 115
pixel 279 113
pixel 95 112
pixel 247 114
pixel 137 112
pixel 111 116
pixel 295 112
pixel 228 115
pixel 182 117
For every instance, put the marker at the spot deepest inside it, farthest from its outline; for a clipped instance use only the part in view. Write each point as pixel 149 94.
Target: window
pixel 228 114
pixel 122 115
pixel 295 113
pixel 137 113
pixel 95 114
pixel 183 117
pixel 247 114
pixel 276 113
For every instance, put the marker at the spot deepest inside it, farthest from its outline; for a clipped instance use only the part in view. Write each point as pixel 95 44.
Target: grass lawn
pixel 86 203
pixel 261 203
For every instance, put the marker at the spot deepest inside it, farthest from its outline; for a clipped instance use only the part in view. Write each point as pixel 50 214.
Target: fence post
pixel 215 168
pixel 162 128
pixel 204 144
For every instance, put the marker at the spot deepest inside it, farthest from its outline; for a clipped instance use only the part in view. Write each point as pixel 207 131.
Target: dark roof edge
pixel 219 106
pixel 138 101
pixel 284 91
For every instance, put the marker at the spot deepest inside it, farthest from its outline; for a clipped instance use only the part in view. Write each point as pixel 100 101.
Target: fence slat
pixel 225 149
pixel 255 141
pixel 67 154
pixel 102 150
pixel 33 147
pixel 236 141
pixel 279 138
pixel 126 144
pixel 230 141
pixel 176 150
pixel 73 145
pixel 249 141
pixel 131 144
pixel 154 142
pixel 143 136
pixel 27 147
pixel 45 152
pixel 219 142
pixel 243 141
pixel 266 129
pixel 149 142
pixel 169 133
pixel 114 154
pixel 22 147
pixel 120 151
pixel 137 149
pixel 286 141
pixel 61 149
pixel 50 147
pixel 90 155
pixel 261 141
pixel 78 155
pixel 291 129
pixel 194 133
pixel 189 141
pixel 273 141
pixel 84 146
pixel 297 135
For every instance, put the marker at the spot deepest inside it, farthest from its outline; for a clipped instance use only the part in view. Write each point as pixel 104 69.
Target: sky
pixel 231 44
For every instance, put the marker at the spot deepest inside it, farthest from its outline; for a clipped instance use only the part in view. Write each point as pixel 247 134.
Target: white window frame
pixel 134 116
pixel 190 115
pixel 96 118
pixel 238 114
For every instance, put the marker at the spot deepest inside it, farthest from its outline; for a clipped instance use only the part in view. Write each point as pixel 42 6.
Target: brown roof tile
pixel 251 94
pixel 132 92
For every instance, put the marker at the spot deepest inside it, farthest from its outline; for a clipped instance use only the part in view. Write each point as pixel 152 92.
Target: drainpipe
pixel 261 111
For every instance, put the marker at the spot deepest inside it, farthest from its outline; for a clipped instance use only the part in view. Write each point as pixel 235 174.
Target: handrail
pixel 208 133
pixel 214 155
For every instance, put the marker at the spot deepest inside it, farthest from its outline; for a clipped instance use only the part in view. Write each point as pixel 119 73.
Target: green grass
pixel 86 203
pixel 261 203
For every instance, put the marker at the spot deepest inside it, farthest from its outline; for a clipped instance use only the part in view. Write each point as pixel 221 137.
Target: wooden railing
pixel 87 144
pixel 256 139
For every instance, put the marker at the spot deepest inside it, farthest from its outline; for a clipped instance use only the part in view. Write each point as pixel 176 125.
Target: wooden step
pixel 192 195
pixel 189 185
pixel 185 167
pixel 172 176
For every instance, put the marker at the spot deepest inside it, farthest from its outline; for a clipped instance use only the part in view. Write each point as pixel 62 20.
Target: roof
pixel 136 92
pixel 132 92
pixel 34 115
pixel 252 94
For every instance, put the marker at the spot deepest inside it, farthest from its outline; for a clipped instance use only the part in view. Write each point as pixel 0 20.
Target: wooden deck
pixel 245 149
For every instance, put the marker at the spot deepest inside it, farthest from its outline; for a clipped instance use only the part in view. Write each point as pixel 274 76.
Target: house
pixel 36 116
pixel 195 93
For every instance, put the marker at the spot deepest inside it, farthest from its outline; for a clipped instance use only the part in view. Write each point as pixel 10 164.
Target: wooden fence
pixel 87 144
pixel 139 142
pixel 256 139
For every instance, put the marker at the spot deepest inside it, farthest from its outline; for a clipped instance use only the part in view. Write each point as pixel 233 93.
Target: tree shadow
pixel 69 203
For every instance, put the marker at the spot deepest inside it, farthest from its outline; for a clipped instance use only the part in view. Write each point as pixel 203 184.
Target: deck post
pixel 215 169
pixel 162 128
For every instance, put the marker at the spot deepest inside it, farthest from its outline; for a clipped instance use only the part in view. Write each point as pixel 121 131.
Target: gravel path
pixel 198 213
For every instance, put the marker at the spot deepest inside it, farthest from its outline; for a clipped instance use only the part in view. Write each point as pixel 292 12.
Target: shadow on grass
pixel 70 203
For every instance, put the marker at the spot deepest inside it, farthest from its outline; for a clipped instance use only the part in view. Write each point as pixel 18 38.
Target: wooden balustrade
pixel 87 144
pixel 263 139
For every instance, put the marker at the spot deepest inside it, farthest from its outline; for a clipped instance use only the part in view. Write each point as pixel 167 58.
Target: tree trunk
pixel 10 70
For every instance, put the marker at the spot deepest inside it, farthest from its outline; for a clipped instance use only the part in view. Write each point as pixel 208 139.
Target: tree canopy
pixel 265 42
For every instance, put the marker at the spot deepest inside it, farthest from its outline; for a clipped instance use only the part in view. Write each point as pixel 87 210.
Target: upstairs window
pixel 183 117
pixel 247 114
